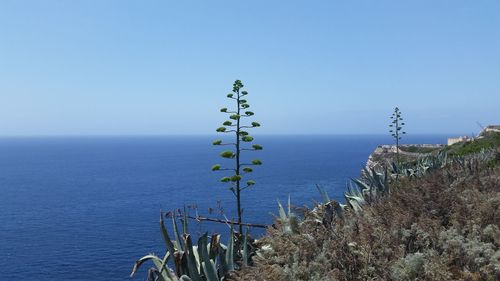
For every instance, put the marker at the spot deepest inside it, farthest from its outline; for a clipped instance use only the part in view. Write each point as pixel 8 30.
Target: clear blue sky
pixel 311 67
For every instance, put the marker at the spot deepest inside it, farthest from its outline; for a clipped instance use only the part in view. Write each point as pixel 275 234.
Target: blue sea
pixel 85 208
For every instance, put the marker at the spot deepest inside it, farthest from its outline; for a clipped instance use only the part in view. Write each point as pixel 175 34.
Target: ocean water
pixel 85 208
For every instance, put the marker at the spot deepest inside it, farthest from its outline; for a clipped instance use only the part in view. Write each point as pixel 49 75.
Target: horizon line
pixel 451 134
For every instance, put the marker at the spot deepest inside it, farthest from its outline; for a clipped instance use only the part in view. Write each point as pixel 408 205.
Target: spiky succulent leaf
pixel 230 251
pixel 193 265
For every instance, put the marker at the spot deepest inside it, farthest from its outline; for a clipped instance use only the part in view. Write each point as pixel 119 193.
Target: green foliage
pixel 227 154
pixel 487 141
pixel 241 138
pixel 247 139
pixel 256 162
pixel 223 109
pixel 235 178
pixel 207 260
pixel 216 167
pixel 217 142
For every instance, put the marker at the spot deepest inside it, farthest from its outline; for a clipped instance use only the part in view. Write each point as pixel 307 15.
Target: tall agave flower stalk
pixel 396 129
pixel 237 127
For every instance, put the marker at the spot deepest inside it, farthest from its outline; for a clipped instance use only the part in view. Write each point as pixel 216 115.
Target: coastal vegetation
pixel 438 221
pixel 486 140
pixel 430 215
pixel 439 224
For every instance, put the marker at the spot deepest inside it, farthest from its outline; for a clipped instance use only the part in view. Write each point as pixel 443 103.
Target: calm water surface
pixel 87 208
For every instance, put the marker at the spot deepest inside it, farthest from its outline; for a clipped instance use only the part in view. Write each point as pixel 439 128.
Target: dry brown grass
pixel 444 226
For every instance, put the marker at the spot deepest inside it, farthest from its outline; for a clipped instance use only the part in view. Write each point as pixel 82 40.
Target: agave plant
pixel 289 221
pixel 208 260
pixel 422 166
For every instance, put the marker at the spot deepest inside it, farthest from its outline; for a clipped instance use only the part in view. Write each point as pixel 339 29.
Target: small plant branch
pixel 200 218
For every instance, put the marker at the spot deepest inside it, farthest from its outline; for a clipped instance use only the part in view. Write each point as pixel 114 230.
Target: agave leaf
pixel 191 260
pixel 202 249
pixel 185 222
pixel 362 186
pixel 289 206
pixel 324 194
pixel 141 261
pixel 180 262
pixel 210 272
pixel 223 268
pixel 354 191
pixel 245 249
pixel 161 270
pixel 230 251
pixel 355 205
pixel 166 237
pixel 214 246
pixel 177 242
pixel 165 271
pixel 281 211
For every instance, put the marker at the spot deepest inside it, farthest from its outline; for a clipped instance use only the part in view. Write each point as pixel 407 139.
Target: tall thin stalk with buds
pixel 242 141
pixel 396 129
